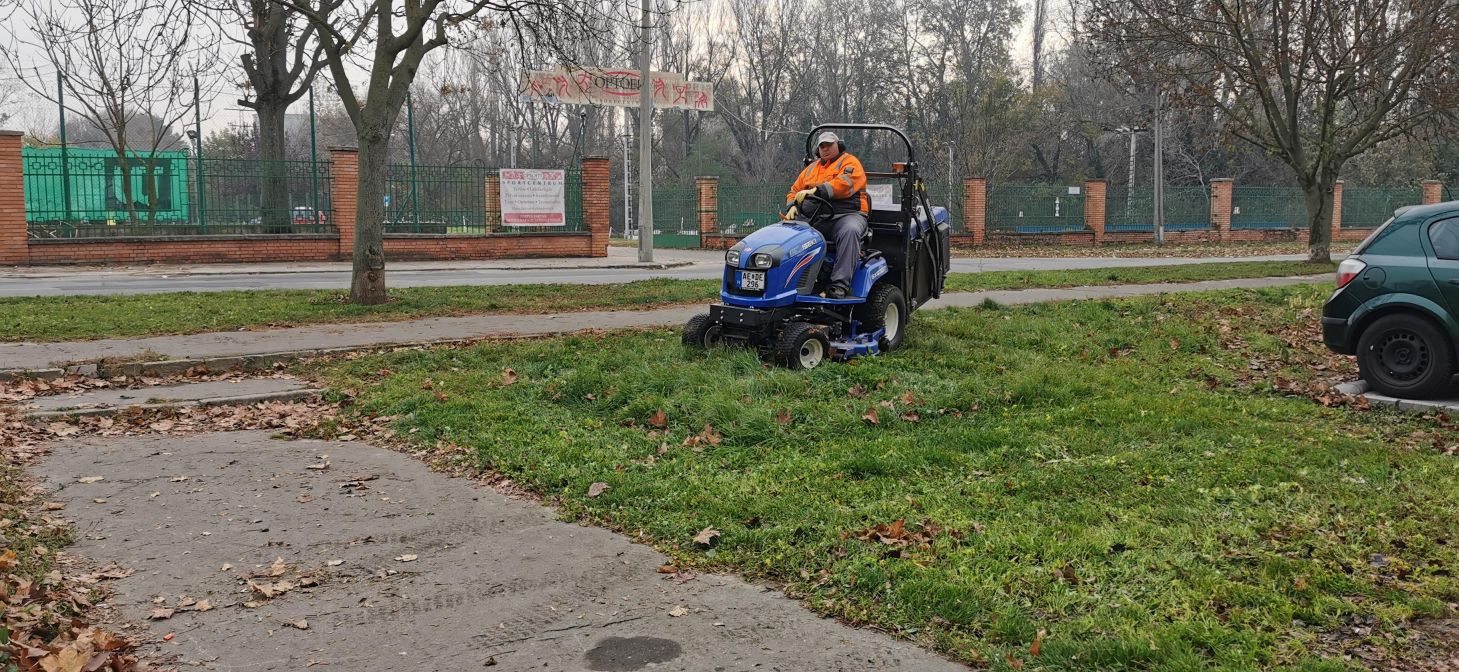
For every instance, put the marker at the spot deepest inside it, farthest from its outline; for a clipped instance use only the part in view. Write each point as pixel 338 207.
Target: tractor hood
pixel 780 241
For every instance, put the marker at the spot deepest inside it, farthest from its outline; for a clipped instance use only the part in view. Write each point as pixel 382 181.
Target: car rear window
pixel 1390 240
pixel 1444 235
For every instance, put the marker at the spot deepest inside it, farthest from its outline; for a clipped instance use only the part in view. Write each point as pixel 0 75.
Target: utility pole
pixel 1159 168
pixel 645 141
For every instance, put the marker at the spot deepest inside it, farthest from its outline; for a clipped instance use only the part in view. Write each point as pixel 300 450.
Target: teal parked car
pixel 1396 301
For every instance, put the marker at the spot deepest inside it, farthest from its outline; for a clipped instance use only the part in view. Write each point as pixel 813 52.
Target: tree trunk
pixel 1318 195
pixel 368 284
pixel 273 174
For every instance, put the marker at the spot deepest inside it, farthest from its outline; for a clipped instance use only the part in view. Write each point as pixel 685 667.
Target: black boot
pixel 838 290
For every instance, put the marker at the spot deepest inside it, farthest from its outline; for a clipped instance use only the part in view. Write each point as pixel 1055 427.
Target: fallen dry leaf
pixel 406 558
pixel 318 467
pixel 227 567
pixel 160 614
pixel 871 416
pixel 678 611
pixel 203 605
pixel 707 536
pixel 782 417
pixel 857 391
pixel 597 489
pixel 278 568
pixel 667 569
pixel 334 563
pixel 304 499
pixel 54 506
pixel 300 624
pixel 509 377
pixel 90 479
pixel 659 419
pixel 62 429
pixel 1038 640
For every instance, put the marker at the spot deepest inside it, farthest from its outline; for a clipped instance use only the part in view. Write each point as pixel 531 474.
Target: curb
pixel 290 395
pixel 1359 388
pixel 660 266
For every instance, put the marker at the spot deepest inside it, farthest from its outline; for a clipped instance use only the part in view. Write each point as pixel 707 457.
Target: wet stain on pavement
pixel 625 654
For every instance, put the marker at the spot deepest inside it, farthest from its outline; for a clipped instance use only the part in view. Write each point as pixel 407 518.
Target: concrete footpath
pixel 350 557
pixel 229 349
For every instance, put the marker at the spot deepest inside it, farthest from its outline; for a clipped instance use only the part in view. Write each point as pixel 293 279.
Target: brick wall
pixel 1433 192
pixel 1221 190
pixel 12 201
pixel 411 247
pixel 190 250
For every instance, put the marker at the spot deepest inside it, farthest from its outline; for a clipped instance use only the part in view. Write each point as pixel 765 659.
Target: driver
pixel 838 178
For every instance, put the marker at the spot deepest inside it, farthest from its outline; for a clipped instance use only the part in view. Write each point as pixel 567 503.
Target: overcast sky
pixel 38 115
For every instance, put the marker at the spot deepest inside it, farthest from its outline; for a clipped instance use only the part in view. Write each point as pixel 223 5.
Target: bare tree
pixel 398 35
pixel 1314 82
pixel 128 71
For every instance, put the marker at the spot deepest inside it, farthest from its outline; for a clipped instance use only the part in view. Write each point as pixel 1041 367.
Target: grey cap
pixel 826 137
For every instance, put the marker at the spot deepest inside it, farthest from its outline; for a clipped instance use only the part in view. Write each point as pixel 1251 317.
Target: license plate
pixel 752 280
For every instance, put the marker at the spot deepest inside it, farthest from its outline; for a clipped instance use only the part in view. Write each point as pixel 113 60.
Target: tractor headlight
pixel 732 258
pixel 761 260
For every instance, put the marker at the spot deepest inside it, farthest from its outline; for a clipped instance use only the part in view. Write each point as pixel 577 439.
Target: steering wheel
pixel 823 209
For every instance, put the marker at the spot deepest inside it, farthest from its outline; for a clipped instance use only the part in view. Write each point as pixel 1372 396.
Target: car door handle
pixel 1454 281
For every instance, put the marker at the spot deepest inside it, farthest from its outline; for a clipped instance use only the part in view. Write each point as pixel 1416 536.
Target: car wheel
pixel 885 308
pixel 802 346
pixel 699 332
pixel 1405 356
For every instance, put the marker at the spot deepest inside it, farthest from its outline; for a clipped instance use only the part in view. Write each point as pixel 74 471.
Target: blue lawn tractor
pixel 775 279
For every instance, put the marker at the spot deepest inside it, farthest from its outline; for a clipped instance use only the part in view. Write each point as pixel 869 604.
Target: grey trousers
pixel 846 233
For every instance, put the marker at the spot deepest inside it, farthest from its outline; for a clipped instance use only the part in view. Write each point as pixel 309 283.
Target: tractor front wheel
pixel 802 346
pixel 700 332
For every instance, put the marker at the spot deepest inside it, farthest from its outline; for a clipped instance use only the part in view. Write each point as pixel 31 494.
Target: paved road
pixel 619 267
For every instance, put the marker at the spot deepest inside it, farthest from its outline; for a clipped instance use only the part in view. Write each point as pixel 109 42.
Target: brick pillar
pixel 1221 188
pixel 1433 192
pixel 13 246
pixel 344 188
pixel 1094 202
pixel 975 207
pixel 493 201
pixel 708 204
pixel 597 201
pixel 1336 211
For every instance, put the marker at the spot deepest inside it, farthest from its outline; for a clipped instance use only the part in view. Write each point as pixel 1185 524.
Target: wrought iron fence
pixel 91 193
pixel 1133 210
pixel 452 200
pixel 1268 208
pixel 1368 207
pixel 1032 209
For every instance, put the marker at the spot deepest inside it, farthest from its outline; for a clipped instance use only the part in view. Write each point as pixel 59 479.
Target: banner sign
pixel 881 196
pixel 533 197
pixel 618 88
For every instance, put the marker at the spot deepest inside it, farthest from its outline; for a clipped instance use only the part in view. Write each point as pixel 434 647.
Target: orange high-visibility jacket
pixel 839 180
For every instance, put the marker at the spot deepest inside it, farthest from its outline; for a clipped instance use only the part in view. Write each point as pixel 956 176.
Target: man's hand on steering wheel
pixel 801 195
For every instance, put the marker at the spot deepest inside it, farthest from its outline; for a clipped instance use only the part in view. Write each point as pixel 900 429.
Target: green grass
pixel 90 317
pixel 1110 472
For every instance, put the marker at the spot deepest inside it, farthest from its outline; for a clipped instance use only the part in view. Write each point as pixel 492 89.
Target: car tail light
pixel 1347 270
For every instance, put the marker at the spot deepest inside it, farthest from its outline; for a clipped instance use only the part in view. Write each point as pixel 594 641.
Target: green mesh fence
pixel 746 207
pixel 676 217
pixel 1268 208
pixel 451 200
pixel 1033 209
pixel 1368 207
pixel 92 193
pixel 1133 210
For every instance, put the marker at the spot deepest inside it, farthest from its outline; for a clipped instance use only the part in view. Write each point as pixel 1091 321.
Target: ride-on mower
pixel 775 279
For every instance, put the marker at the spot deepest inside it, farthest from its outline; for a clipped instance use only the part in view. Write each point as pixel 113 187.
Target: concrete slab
pixel 165 394
pixel 435 329
pixel 415 570
pixel 1360 388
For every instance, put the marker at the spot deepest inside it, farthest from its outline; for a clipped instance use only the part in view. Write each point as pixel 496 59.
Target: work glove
pixel 800 195
pixel 790 213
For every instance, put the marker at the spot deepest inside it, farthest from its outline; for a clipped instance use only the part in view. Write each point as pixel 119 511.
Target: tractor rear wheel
pixel 802 346
pixel 885 308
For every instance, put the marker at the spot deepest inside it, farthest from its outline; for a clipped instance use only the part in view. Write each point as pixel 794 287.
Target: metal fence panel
pixel 1032 209
pixel 1368 207
pixel 86 195
pixel 1133 210
pixel 676 217
pixel 436 199
pixel 746 207
pixel 1268 208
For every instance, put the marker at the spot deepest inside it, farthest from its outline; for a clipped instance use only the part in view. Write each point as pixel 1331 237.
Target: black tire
pixel 802 346
pixel 699 332
pixel 883 304
pixel 1405 356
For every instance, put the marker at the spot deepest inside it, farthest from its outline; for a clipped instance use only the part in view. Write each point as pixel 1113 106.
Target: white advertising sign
pixel 881 196
pixel 533 197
